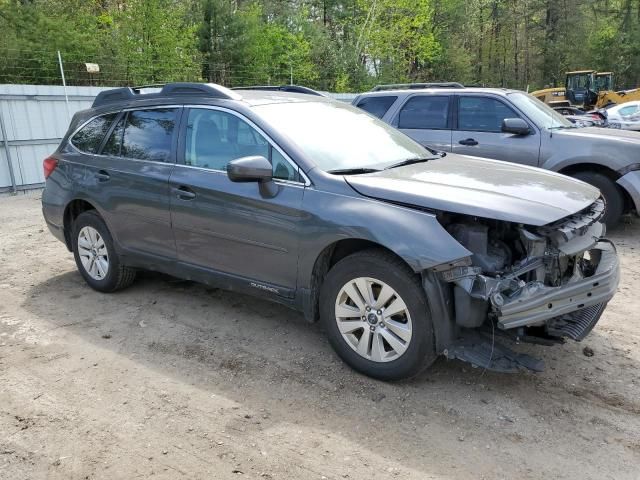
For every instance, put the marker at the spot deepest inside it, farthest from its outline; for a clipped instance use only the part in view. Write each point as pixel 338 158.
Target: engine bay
pixel 514 263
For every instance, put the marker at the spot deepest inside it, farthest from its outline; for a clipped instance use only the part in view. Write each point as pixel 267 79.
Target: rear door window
pixel 425 112
pixel 482 114
pixel 89 137
pixel 148 134
pixel 377 106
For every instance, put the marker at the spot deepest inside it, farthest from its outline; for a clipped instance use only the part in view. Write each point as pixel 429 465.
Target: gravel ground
pixel 171 379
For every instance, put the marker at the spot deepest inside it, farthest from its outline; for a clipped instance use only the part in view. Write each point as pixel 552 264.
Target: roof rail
pixel 166 90
pixel 410 86
pixel 282 88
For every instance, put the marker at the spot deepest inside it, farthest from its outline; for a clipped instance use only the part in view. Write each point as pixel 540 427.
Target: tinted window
pixel 112 146
pixel 424 112
pixel 148 133
pixel 483 114
pixel 214 138
pixel 376 106
pixel 89 138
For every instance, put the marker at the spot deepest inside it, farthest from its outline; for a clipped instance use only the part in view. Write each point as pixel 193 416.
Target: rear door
pixel 478 131
pixel 130 179
pixel 237 230
pixel 427 119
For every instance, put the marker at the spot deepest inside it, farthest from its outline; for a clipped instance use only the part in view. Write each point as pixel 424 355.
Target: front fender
pixel 414 235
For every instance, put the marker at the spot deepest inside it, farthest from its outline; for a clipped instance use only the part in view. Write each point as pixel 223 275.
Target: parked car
pixel 513 126
pixel 315 204
pixel 625 116
pixel 581 118
pixel 581 122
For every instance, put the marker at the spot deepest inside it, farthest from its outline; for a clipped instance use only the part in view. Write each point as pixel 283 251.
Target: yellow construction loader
pixel 587 89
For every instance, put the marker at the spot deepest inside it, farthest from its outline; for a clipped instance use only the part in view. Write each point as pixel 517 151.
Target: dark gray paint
pixel 198 224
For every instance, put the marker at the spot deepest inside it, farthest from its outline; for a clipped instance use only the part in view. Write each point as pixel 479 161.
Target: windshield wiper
pixel 409 161
pixel 352 171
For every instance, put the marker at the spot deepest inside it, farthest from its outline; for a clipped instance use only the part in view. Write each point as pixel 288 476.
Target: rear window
pixel 89 137
pixel 143 135
pixel 424 112
pixel 376 106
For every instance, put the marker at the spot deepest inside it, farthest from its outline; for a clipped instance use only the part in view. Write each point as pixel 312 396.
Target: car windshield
pixel 341 137
pixel 541 114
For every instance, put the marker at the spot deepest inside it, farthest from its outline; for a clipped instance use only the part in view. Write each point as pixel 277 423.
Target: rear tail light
pixel 49 165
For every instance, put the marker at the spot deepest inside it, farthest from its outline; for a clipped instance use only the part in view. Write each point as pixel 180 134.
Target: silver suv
pixel 510 125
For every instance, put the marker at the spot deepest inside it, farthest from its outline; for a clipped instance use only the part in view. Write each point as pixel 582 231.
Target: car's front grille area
pixel 576 325
pixel 576 224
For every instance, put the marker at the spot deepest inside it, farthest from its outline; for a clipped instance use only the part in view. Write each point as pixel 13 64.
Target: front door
pixel 479 132
pixel 238 229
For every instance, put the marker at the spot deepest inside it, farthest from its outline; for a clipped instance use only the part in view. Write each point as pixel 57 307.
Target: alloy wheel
pixel 373 319
pixel 93 253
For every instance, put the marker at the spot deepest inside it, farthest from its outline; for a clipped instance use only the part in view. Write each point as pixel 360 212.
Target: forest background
pixel 335 45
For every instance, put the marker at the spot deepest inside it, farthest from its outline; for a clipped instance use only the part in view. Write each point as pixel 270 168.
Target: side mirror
pixel 517 126
pixel 250 169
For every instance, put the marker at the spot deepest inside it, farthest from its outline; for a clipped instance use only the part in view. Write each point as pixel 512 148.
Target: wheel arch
pixel 74 208
pixel 331 255
pixel 589 167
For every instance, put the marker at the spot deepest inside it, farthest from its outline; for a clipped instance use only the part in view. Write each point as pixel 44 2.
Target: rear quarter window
pixel 89 137
pixel 377 106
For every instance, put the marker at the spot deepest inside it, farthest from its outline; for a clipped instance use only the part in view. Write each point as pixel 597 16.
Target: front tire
pixel 612 194
pixel 96 256
pixel 376 316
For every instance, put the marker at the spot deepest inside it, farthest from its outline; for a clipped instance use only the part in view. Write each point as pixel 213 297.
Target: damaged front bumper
pixel 567 310
pixel 539 303
pixel 536 284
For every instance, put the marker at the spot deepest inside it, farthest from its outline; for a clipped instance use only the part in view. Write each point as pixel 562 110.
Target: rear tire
pixel 95 254
pixel 612 194
pixel 385 345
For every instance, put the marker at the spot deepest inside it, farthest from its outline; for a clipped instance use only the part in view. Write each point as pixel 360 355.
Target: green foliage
pixel 339 45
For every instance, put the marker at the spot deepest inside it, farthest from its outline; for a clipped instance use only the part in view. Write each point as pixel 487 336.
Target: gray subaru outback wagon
pixel 315 204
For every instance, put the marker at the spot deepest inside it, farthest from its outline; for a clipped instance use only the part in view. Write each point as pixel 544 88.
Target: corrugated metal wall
pixel 35 118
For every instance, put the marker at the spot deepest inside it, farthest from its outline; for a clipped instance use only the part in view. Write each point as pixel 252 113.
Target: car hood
pixel 479 187
pixel 598 133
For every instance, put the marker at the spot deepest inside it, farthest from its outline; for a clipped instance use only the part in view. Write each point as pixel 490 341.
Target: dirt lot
pixel 171 379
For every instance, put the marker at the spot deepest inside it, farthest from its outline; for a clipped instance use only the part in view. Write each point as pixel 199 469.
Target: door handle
pixel 102 176
pixel 468 142
pixel 184 193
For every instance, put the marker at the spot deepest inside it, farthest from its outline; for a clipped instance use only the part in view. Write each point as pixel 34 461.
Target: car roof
pixel 633 103
pixel 383 93
pixel 261 97
pixel 204 93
